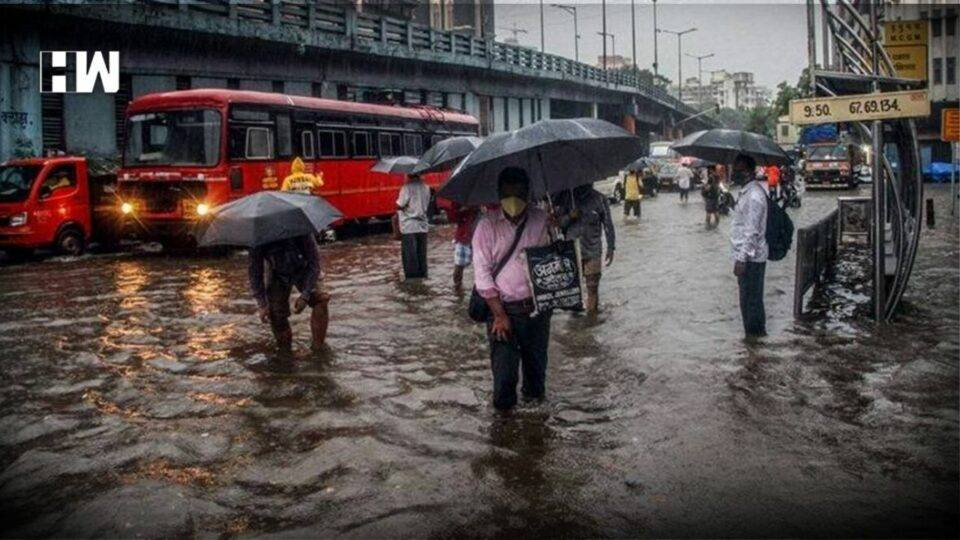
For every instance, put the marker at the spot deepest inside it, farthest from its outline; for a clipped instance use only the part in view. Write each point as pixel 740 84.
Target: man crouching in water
pixel 294 262
pixel 516 337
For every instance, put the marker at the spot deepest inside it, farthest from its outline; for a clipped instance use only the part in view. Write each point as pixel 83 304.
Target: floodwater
pixel 140 397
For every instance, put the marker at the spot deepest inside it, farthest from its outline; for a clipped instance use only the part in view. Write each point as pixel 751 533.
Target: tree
pixel 761 120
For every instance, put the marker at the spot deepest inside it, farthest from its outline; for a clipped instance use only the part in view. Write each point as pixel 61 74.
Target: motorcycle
pixel 726 201
pixel 790 194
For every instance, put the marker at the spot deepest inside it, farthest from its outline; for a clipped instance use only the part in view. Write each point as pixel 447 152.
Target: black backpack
pixel 779 231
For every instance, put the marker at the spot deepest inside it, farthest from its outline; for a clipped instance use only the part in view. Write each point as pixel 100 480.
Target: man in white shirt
pixel 412 207
pixel 684 177
pixel 748 231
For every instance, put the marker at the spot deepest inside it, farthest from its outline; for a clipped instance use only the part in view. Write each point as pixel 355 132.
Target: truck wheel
pixel 70 242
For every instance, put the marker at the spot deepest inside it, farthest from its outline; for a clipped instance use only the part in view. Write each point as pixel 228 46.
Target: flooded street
pixel 141 397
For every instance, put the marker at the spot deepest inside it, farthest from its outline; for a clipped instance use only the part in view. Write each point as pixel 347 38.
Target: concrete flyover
pixel 298 47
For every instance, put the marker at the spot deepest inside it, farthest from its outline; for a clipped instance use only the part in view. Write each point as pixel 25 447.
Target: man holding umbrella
pixel 517 335
pixel 748 237
pixel 293 262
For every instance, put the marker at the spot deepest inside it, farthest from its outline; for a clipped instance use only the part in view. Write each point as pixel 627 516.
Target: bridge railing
pixel 817 247
pixel 392 32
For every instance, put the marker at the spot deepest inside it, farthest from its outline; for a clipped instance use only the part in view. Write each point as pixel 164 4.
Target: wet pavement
pixel 141 397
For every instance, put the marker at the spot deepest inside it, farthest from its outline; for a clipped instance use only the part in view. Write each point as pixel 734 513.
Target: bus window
pixel 284 138
pixel 183 137
pixel 333 143
pixel 362 146
pixel 259 144
pixel 306 145
pixel 413 144
pixel 390 145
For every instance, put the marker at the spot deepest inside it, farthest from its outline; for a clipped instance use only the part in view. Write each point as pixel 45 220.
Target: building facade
pixel 942 77
pixel 728 90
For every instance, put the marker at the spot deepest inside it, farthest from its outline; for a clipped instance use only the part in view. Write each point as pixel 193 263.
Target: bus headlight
pixel 126 208
pixel 202 209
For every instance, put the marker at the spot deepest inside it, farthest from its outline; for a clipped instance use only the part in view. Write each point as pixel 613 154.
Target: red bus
pixel 190 150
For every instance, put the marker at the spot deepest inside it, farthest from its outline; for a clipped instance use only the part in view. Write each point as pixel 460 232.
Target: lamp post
pixel 542 47
pixel 603 10
pixel 633 34
pixel 656 31
pixel 700 59
pixel 576 31
pixel 679 57
pixel 613 45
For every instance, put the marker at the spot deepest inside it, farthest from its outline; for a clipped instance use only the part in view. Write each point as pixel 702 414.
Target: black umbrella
pixel 395 165
pixel 446 154
pixel 724 145
pixel 558 154
pixel 266 217
pixel 639 165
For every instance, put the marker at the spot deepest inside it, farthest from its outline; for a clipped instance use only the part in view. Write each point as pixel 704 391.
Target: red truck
pixel 55 202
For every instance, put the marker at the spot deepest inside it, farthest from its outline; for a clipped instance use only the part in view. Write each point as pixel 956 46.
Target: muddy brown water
pixel 141 396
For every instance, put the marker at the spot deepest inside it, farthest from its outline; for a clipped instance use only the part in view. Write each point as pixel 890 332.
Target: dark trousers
pixel 751 299
pixel 631 206
pixel 413 253
pixel 684 194
pixel 526 348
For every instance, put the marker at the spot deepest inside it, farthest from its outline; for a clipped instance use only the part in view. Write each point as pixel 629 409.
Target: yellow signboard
pixel 896 33
pixel 910 61
pixel 860 108
pixel 950 125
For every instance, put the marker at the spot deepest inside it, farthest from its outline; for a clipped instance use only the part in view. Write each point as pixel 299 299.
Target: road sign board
pixel 897 33
pixel 909 61
pixel 860 108
pixel 950 125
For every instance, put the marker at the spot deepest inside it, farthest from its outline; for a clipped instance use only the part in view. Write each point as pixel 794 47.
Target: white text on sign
pixel 860 108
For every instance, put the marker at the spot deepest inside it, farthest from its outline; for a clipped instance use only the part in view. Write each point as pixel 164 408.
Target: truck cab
pixel 832 165
pixel 54 202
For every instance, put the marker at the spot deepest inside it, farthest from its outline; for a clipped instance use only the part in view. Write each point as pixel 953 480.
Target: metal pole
pixel 603 7
pixel 633 33
pixel 542 47
pixel 656 67
pixel 680 67
pixel 811 48
pixel 700 81
pixel 879 191
pixel 576 37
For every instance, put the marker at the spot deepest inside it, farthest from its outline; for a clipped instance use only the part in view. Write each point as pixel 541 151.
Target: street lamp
pixel 656 66
pixel 613 45
pixel 700 75
pixel 633 34
pixel 603 8
pixel 542 47
pixel 679 56
pixel 576 31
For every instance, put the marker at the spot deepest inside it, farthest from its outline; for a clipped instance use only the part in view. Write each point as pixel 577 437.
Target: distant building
pixel 788 135
pixel 735 91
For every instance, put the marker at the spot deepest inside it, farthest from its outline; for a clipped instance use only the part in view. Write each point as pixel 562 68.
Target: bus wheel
pixel 70 242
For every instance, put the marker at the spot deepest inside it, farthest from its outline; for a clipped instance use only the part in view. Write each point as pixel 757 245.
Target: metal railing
pixel 816 257
pixel 366 30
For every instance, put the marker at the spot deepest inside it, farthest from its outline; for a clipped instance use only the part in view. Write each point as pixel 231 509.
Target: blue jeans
pixel 526 347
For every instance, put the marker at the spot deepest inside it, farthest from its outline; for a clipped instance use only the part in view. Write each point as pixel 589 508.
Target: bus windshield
pixel 833 152
pixel 187 137
pixel 15 182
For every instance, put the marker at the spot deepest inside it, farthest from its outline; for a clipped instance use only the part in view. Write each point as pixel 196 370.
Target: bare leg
pixel 593 299
pixel 319 321
pixel 458 277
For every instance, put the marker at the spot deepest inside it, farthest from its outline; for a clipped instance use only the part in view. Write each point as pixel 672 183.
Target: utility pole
pixel 515 31
pixel 542 47
pixel 700 75
pixel 633 34
pixel 656 31
pixel 603 7
pixel 679 57
pixel 576 31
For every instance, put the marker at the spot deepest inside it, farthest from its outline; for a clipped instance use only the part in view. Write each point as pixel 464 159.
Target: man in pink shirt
pixel 517 336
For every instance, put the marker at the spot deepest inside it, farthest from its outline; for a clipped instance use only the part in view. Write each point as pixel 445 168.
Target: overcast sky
pixel 767 38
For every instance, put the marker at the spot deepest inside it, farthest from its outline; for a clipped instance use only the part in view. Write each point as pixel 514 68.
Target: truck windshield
pixel 662 151
pixel 15 182
pixel 188 137
pixel 837 152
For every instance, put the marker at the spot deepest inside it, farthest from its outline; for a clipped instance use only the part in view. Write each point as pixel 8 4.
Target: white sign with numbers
pixel 860 108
